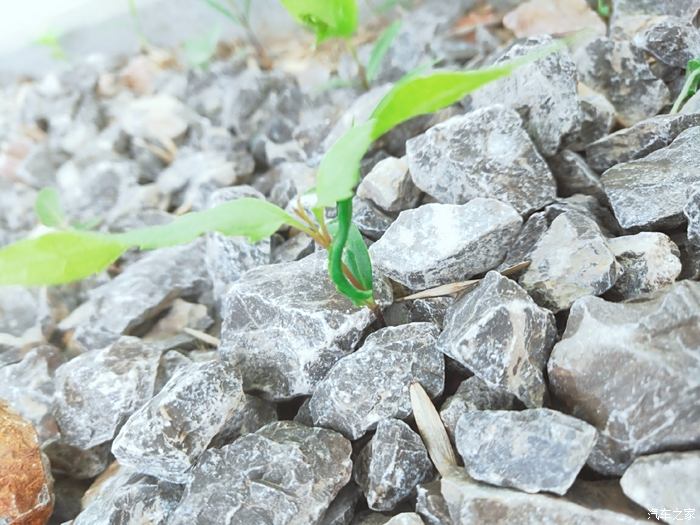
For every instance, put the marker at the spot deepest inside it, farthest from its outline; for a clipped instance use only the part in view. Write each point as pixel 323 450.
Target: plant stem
pixel 684 92
pixel 361 71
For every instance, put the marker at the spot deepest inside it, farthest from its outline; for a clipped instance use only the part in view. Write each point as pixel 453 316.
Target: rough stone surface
pixel 664 481
pixel 628 15
pixel 285 326
pixel 372 383
pixel 389 185
pixel 574 176
pixel 283 474
pixel 130 497
pixel 253 414
pixel 169 433
pixel 571 260
pixel 501 335
pixel 538 17
pixel 670 40
pixel 342 510
pixel 692 213
pixel 650 262
pixel 597 118
pixel 144 289
pixel 441 243
pixel 75 462
pixel 430 504
pixel 543 92
pixel 537 450
pixel 614 358
pixel 638 140
pixel 390 466
pixel 473 394
pixel 26 492
pixel 97 391
pixel 652 191
pixel 370 220
pixel 18 310
pixel 227 258
pixel 27 387
pixel 618 70
pixel 485 153
pixel 474 503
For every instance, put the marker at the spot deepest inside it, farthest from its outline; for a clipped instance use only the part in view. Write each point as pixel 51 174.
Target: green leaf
pixel 336 253
pixel 379 50
pixel 200 50
pixel 249 217
pixel 425 94
pixel 339 171
pixel 421 94
pixel 690 87
pixel 603 8
pixel 58 258
pixel 356 255
pixel 327 18
pixel 48 208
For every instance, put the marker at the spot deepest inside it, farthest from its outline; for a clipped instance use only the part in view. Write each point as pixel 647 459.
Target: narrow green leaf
pixel 48 208
pixel 249 217
pixel 327 18
pixel 380 48
pixel 339 171
pixel 690 87
pixel 421 94
pixel 200 50
pixel 335 258
pixel 356 256
pixel 58 258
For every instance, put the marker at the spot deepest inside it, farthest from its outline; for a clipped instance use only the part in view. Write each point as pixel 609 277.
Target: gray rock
pixel 501 335
pixel 588 206
pixel 524 244
pixel 629 15
pixel 283 474
pixel 473 394
pixel 671 40
pixel 638 140
pixel 650 262
pixel 430 504
pixel 97 391
pixel 100 190
pixel 252 415
pixel 428 310
pixel 285 326
pixel 227 258
pixel 77 463
pixel 129 497
pixel 28 388
pixel 543 92
pixel 574 176
pixel 67 495
pixel 618 70
pixel 692 213
pixel 405 518
pixel 18 310
pixel 437 244
pixel 390 466
pixel 370 220
pixel 571 260
pixel 193 176
pixel 474 503
pixel 597 118
pixel 652 191
pixel 171 362
pixel 372 383
pixel 669 480
pixel 485 153
pixel 169 433
pixel 342 509
pixel 537 450
pixel 389 186
pixel 614 357
pixel 692 105
pixel 141 291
